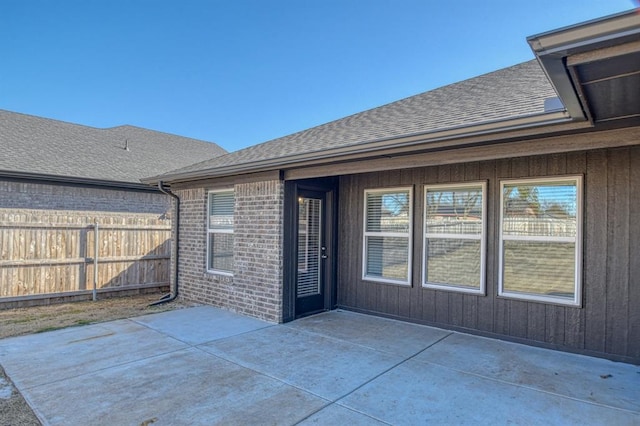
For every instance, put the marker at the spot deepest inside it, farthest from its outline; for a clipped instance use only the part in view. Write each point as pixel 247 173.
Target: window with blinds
pixel 309 251
pixel 387 235
pixel 220 232
pixel 454 237
pixel 540 236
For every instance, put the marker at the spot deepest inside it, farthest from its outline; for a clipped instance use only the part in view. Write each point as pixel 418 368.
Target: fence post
pixel 95 260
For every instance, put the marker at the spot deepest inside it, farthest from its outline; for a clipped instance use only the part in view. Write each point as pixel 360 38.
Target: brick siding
pixel 29 195
pixel 255 288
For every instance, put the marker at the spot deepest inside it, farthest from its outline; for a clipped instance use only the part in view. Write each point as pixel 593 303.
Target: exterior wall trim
pixel 493 151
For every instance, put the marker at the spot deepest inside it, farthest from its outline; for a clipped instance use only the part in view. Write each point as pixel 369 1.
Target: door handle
pixel 323 254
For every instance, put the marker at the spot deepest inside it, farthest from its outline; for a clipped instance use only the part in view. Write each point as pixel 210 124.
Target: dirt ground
pixel 14 410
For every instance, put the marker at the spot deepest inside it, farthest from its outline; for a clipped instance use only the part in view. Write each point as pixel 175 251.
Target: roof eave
pixel 72 180
pixel 370 147
pixel 552 48
pixel 586 35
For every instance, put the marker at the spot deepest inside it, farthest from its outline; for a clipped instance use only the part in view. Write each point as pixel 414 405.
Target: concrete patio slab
pixel 43 358
pixel 589 379
pixel 400 338
pixel 209 366
pixel 419 393
pixel 323 366
pixel 337 415
pixel 188 387
pixel 201 324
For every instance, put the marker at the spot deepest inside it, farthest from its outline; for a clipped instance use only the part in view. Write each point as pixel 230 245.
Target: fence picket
pixel 42 255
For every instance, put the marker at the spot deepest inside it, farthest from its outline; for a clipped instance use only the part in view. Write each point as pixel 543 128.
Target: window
pixel 541 240
pixel 454 237
pixel 303 234
pixel 220 232
pixel 387 235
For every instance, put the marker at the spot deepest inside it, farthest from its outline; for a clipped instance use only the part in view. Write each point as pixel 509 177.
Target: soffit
pixel 609 83
pixel 595 66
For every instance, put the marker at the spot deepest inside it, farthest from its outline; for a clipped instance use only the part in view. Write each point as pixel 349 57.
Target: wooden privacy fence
pixel 525 226
pixel 56 253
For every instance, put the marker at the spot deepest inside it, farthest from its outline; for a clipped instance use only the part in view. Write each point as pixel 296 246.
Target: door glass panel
pixel 309 222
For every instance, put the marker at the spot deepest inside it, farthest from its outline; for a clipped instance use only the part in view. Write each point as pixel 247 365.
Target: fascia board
pixel 53 179
pixel 552 47
pixel 586 35
pixel 328 156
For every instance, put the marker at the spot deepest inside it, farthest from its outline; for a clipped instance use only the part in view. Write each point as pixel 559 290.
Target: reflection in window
pixel 387 230
pixel 540 232
pixel 454 247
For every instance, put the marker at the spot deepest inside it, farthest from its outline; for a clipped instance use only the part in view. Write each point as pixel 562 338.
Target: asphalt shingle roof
pixel 44 146
pixel 511 92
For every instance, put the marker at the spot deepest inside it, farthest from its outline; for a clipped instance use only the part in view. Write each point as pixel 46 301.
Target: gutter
pixel 553 47
pixel 171 297
pixel 485 128
pixel 8 174
pixel 577 38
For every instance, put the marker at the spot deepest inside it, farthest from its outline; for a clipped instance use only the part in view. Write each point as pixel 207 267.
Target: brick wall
pixel 258 249
pixel 256 286
pixel 28 195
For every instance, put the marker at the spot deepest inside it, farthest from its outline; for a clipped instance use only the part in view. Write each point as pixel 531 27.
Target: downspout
pixel 171 297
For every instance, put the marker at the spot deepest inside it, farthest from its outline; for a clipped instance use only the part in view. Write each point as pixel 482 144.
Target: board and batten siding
pixel 607 324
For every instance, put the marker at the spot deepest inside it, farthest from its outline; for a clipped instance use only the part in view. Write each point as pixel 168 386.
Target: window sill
pixel 547 300
pixel 210 272
pixel 455 289
pixel 383 281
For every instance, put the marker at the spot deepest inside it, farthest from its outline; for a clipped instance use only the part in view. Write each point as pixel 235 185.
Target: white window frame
pixel 216 231
pixel 407 235
pixel 577 240
pixel 482 238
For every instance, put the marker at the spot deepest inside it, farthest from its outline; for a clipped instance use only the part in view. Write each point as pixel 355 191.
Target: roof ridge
pixel 37 117
pixel 106 129
pixel 46 147
pixel 145 129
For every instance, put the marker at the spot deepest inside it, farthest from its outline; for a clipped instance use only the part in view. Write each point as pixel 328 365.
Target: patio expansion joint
pixel 103 369
pixel 329 401
pixel 337 400
pixel 337 339
pixel 346 408
pixel 195 345
pixel 261 373
pixel 555 394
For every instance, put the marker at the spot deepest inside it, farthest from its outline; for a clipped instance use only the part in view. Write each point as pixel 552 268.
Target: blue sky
pixel 240 72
